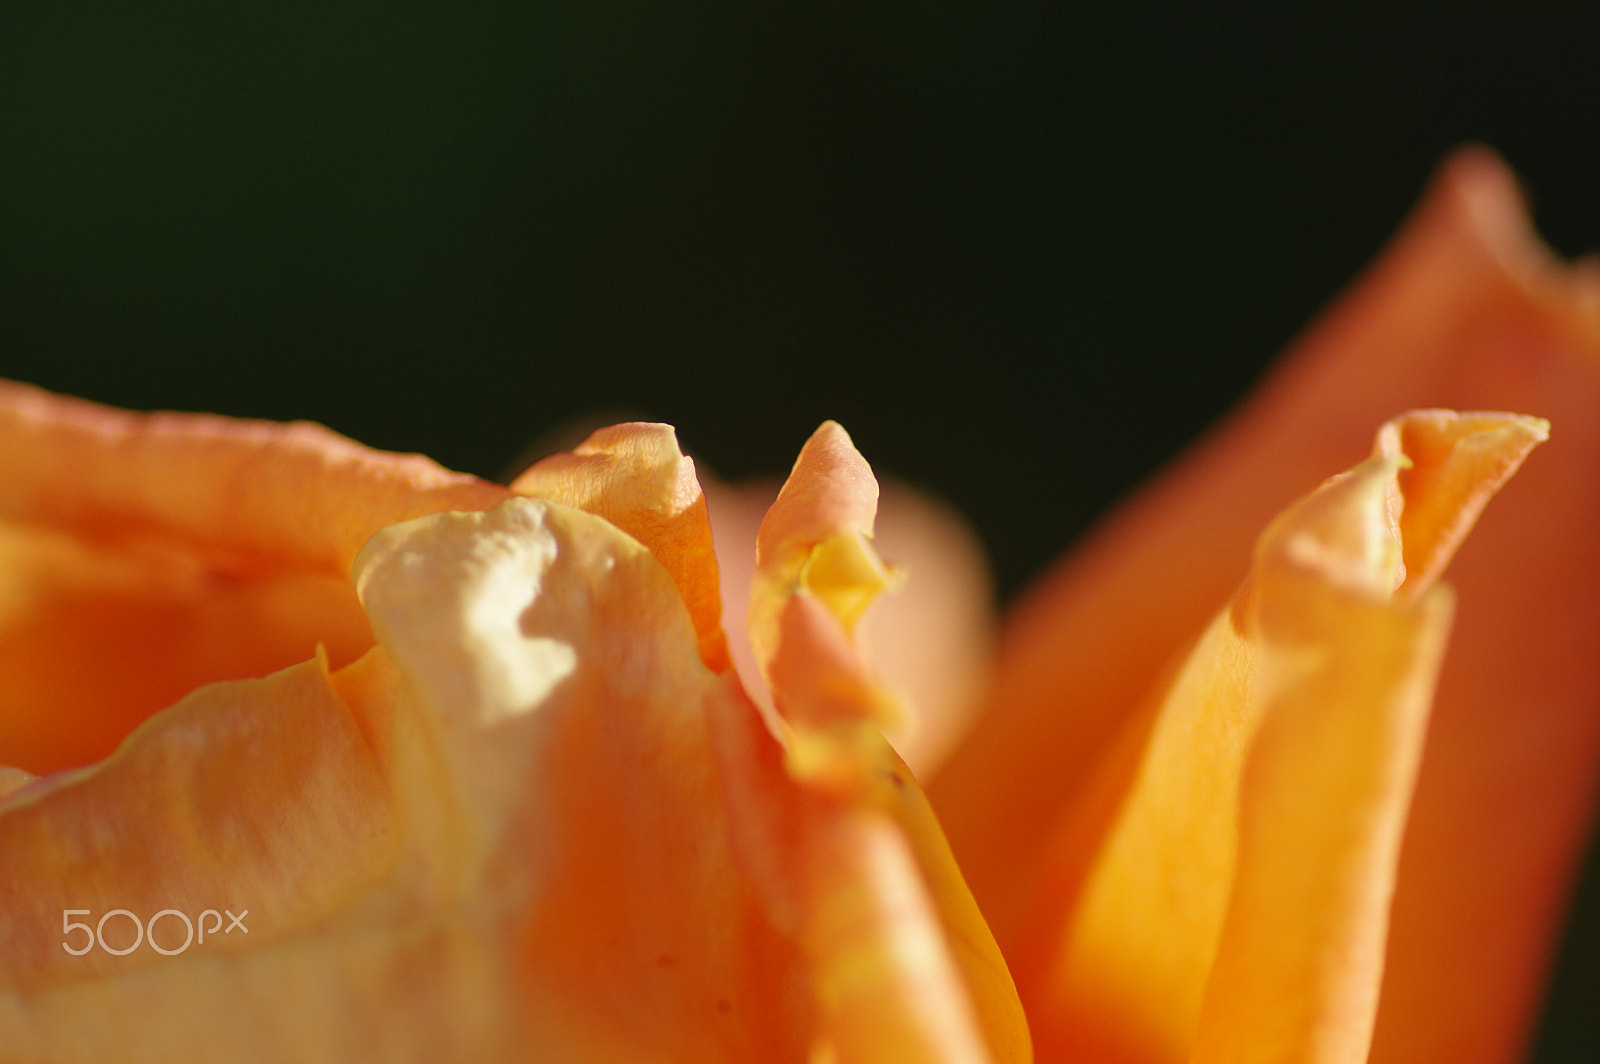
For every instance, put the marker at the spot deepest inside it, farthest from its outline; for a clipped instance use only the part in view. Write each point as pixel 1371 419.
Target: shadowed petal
pixel 146 555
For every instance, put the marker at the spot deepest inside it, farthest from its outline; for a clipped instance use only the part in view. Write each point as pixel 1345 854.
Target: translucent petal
pixel 905 964
pixel 634 476
pixel 1121 933
pixel 1467 311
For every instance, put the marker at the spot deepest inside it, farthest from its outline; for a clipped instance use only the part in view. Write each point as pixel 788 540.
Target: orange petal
pixel 244 495
pixel 817 536
pixel 1465 310
pixel 634 476
pixel 930 642
pixel 553 673
pixel 1456 463
pixel 257 795
pixel 1116 951
pixel 94 639
pixel 906 965
pixel 147 555
pixel 1323 801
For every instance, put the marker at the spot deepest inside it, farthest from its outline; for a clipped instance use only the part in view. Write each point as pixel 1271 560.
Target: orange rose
pixel 472 776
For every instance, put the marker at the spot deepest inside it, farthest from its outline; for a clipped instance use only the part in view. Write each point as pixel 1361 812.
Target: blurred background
pixel 452 229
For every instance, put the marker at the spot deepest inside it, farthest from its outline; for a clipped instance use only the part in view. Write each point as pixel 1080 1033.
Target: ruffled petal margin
pixel 1233 870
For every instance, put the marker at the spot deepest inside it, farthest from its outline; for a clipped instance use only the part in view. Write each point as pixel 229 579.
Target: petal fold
pixel 908 967
pixel 1155 916
pixel 143 556
pixel 634 476
pixel 254 794
pixel 1465 310
pixel 553 675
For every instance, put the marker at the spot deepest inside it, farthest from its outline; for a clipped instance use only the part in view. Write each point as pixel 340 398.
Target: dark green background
pixel 451 228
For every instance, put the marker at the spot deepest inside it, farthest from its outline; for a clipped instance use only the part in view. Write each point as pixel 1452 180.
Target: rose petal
pixel 554 673
pixel 242 494
pixel 931 642
pixel 147 555
pixel 258 795
pixel 634 476
pixel 93 639
pixel 1323 801
pixel 1465 310
pixel 1116 949
pixel 840 836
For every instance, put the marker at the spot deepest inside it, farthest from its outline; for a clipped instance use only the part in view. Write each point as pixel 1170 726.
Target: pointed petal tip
pixel 817 537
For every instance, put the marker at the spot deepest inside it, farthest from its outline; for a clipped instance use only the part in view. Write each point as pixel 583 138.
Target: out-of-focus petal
pixel 634 476
pixel 13 778
pixel 1116 949
pixel 146 555
pixel 836 830
pixel 932 640
pixel 1465 310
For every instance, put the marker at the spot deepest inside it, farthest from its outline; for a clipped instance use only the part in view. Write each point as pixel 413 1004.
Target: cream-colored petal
pixel 553 673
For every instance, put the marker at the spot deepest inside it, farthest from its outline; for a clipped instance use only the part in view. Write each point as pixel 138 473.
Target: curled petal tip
pixel 1455 463
pixel 1397 519
pixel 636 477
pixel 1347 532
